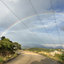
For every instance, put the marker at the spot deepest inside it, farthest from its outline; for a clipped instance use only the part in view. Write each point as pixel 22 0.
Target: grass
pixel 41 49
pixel 6 58
pixel 45 52
pixel 1 59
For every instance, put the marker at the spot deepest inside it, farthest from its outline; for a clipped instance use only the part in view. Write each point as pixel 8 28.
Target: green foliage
pixel 62 57
pixel 3 37
pixel 40 49
pixel 1 59
pixel 7 46
pixel 17 46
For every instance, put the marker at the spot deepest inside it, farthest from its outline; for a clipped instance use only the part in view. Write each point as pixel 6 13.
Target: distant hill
pixel 53 46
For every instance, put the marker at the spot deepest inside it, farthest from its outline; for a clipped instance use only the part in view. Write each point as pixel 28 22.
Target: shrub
pixel 1 59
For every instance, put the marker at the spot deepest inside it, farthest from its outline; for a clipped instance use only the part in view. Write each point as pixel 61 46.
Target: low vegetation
pixel 8 49
pixel 56 54
pixel 62 57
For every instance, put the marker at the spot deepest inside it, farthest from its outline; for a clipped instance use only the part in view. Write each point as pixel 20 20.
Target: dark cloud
pixel 62 28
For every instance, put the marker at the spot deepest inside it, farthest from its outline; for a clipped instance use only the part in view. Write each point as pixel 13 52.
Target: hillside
pixel 53 46
pixel 56 54
pixel 8 49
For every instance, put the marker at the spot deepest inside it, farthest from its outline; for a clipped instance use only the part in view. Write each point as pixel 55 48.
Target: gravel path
pixel 31 58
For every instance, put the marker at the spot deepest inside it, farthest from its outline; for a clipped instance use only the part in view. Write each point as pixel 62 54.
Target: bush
pixel 62 57
pixel 1 59
pixel 8 47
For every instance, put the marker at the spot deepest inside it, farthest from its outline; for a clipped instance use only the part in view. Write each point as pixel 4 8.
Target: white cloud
pixel 46 25
pixel 3 11
pixel 14 1
pixel 53 45
pixel 26 37
pixel 23 8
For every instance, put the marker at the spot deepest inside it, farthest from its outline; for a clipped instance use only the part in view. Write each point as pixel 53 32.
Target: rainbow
pixel 15 23
pixel 18 21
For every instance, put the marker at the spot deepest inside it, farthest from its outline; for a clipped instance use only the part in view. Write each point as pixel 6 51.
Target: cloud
pixel 3 11
pixel 33 33
pixel 53 45
pixel 14 1
pixel 27 34
pixel 58 5
pixel 62 26
pixel 26 37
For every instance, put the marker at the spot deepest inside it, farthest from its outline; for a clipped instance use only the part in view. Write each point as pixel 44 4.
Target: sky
pixel 32 21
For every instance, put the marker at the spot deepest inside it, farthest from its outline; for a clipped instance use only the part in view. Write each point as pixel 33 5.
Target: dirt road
pixel 27 57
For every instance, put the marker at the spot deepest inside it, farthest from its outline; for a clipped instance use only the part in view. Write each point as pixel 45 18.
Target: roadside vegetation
pixel 8 49
pixel 56 54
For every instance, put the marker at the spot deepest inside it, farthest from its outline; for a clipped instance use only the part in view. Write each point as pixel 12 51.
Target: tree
pixel 3 37
pixel 7 46
pixel 17 46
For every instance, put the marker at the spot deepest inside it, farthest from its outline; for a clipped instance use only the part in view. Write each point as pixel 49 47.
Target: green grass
pixel 1 59
pixel 40 49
